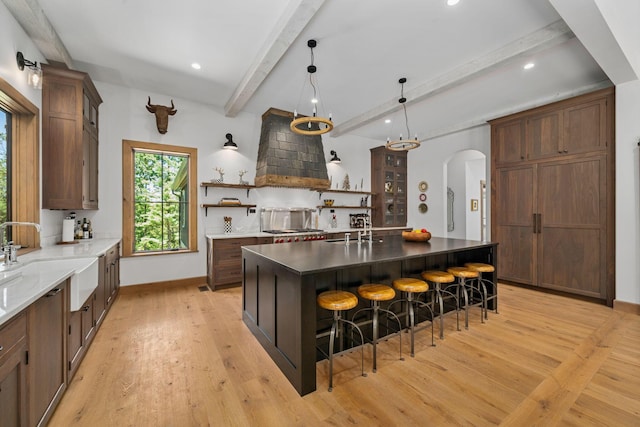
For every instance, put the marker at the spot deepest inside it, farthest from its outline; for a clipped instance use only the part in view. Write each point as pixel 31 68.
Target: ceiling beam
pixel 287 29
pixel 551 35
pixel 32 18
pixel 600 27
pixel 484 119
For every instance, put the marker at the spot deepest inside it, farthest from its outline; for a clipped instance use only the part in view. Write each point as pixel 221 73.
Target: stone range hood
pixel 287 159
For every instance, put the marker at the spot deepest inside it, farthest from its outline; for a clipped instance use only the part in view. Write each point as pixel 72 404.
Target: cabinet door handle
pixel 86 308
pixel 539 225
pixel 535 223
pixel 1 348
pixel 53 292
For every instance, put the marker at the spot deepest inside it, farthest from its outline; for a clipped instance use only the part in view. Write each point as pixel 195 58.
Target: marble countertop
pixel 23 284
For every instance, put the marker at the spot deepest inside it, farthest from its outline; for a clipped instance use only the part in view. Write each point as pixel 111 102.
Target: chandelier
pixel 314 124
pixel 403 144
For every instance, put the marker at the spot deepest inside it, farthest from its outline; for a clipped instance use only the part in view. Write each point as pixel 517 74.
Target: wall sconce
pixel 34 78
pixel 230 145
pixel 335 159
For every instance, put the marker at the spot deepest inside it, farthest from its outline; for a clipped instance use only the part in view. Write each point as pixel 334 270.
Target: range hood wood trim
pixel 291 181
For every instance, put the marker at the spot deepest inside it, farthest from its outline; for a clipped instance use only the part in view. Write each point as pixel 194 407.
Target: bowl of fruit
pixel 416 235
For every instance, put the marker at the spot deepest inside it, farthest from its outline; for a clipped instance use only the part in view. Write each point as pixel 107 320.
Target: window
pixel 5 166
pixel 20 184
pixel 159 206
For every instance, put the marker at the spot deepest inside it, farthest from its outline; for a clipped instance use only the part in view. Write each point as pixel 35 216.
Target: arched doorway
pixel 466 196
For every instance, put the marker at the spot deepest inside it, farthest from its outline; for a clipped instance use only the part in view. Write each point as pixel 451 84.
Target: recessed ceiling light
pixel 529 65
pixel 387 121
pixel 452 2
pixel 195 66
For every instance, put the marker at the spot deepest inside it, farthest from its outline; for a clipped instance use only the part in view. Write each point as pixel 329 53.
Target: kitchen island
pixel 280 284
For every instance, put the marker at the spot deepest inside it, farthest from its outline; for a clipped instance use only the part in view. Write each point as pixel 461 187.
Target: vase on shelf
pixel 227 224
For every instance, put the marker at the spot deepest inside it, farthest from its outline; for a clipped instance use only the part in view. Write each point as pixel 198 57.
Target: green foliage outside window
pixel 161 201
pixel 4 171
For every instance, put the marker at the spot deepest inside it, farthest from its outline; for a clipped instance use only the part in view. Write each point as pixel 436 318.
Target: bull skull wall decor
pixel 162 114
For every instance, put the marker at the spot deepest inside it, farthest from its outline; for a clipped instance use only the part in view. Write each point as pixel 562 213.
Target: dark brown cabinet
pixel 507 142
pixel 389 187
pixel 13 372
pixel 580 126
pixel 47 374
pixel 81 331
pixel 553 210
pixel 109 266
pixel 224 259
pixel 69 140
pixel 108 283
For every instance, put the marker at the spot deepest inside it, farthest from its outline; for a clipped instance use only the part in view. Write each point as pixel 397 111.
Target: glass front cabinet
pixel 389 185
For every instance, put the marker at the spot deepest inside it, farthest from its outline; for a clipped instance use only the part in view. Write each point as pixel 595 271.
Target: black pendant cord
pixel 312 69
pixel 402 101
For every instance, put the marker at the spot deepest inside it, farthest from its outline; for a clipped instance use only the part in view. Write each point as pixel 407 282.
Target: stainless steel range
pixel 290 225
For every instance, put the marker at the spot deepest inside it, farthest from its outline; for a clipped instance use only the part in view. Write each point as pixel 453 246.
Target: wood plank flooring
pixel 176 356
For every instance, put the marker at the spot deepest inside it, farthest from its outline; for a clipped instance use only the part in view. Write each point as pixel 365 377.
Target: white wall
pixel 428 163
pixel 628 192
pixel 464 171
pixel 475 172
pixel 123 116
pixel 14 39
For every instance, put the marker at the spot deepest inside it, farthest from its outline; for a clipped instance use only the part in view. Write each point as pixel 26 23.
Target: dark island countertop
pixel 314 257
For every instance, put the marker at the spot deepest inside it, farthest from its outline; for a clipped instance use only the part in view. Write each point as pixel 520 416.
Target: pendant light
pixel 314 124
pixel 403 144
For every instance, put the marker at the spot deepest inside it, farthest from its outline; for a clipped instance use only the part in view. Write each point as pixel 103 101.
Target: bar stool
pixel 438 278
pixel 486 268
pixel 464 285
pixel 376 293
pixel 411 287
pixel 338 301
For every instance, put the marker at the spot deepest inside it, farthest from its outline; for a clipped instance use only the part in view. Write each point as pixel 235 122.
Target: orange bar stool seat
pixel 338 301
pixel 486 268
pixel 465 285
pixel 376 293
pixel 440 280
pixel 411 287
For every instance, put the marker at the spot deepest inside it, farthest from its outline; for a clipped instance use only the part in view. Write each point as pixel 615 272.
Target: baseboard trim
pixel 626 307
pixel 189 281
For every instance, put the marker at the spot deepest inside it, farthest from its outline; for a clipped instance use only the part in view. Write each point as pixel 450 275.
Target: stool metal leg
pixel 438 295
pixel 334 329
pixel 332 337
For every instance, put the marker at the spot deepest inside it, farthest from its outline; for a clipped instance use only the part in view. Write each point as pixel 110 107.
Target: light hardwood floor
pixel 175 356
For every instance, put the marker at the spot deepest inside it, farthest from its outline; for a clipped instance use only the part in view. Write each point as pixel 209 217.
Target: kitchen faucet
pixel 9 250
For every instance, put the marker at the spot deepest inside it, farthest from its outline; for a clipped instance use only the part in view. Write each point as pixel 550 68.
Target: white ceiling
pixel 464 64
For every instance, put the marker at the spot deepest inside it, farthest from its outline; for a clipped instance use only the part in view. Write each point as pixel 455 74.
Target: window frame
pixel 129 148
pixel 25 165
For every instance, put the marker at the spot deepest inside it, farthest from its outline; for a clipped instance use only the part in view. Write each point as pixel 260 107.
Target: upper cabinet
pixel 560 129
pixel 389 186
pixel 508 142
pixel 70 104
